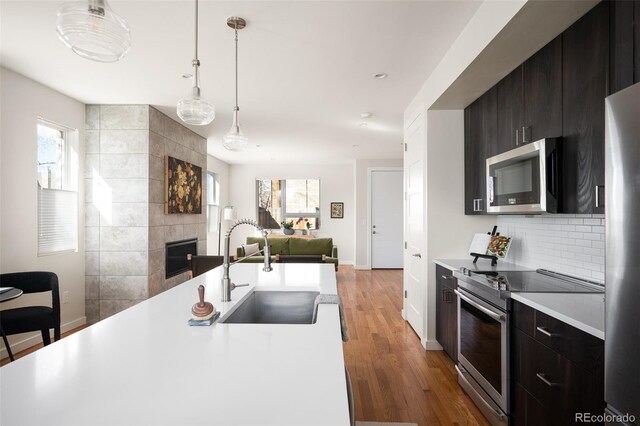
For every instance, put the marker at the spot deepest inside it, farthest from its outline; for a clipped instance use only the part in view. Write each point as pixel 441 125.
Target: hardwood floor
pixel 393 378
pixel 32 349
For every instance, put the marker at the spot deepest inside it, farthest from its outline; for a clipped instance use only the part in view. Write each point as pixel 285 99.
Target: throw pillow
pixel 250 249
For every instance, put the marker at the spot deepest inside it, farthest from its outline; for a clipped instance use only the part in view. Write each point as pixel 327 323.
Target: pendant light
pixel 235 140
pixel 194 109
pixel 92 30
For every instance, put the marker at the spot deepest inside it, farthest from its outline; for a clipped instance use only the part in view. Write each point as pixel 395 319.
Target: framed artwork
pixel 337 210
pixel 183 187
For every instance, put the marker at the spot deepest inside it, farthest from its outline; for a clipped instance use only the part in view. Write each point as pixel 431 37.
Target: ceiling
pixel 306 68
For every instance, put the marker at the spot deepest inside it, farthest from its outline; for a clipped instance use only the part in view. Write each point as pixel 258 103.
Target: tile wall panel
pixel 570 244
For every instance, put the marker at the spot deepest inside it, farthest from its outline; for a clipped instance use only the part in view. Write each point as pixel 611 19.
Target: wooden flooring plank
pixel 397 380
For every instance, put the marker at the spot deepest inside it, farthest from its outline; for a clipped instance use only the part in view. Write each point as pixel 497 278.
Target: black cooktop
pixel 539 281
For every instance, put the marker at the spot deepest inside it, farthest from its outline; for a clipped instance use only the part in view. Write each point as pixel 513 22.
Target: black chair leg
pixel 6 344
pixel 46 339
pixel 56 333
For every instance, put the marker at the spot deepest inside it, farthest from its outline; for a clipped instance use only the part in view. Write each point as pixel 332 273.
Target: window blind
pixel 57 220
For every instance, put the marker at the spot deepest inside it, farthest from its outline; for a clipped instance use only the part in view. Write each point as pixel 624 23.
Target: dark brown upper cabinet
pixel 585 60
pixel 542 81
pixel 510 111
pixel 479 143
pixel 621 55
pixel 636 42
pixel 530 99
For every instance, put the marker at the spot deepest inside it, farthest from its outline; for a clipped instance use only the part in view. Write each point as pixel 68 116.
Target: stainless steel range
pixel 483 330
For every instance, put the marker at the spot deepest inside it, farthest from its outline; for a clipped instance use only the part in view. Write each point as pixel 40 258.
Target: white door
pixel 413 231
pixel 386 218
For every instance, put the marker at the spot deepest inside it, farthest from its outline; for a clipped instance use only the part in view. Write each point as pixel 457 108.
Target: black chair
pixel 32 318
pixel 202 264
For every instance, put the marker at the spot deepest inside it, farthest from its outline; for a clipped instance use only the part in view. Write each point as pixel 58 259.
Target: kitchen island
pixel 147 366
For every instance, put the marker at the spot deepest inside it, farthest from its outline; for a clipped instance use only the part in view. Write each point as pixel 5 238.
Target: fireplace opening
pixel 176 256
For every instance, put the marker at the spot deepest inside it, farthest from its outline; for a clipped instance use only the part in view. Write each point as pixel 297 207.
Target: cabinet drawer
pixel 561 388
pixel 445 277
pixel 583 349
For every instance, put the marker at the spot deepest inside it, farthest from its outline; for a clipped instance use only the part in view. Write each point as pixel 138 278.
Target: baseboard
pixel 431 345
pixel 36 337
pixel 362 267
pixel 404 314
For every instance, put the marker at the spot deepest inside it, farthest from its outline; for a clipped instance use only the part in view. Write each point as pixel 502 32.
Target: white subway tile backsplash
pixel 569 244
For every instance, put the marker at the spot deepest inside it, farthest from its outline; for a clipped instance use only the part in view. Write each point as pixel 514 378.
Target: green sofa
pixel 282 248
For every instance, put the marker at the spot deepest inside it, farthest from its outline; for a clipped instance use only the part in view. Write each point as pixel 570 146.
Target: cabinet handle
pixel 526 134
pixel 446 277
pixel 517 137
pixel 477 205
pixel 597 189
pixel 546 381
pixel 547 332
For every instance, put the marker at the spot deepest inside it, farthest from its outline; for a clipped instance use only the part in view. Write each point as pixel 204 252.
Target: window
pixel 291 199
pixel 213 201
pixel 57 171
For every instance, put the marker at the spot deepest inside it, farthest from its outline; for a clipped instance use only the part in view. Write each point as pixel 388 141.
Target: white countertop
pixel 583 311
pixel 481 265
pixel 147 366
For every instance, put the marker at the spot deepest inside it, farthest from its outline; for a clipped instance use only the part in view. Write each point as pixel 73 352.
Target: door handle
pixel 417 255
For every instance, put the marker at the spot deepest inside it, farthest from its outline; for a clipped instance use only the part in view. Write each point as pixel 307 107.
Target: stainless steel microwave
pixel 527 179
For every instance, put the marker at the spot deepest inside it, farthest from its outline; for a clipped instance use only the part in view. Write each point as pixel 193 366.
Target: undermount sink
pixel 275 307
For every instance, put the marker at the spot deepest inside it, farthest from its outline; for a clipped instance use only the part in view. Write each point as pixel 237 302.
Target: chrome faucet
pixel 227 285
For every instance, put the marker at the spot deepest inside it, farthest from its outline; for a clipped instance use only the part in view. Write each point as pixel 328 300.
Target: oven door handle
pixel 489 312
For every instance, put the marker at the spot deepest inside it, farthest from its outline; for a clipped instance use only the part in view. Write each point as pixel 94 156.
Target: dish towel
pixel 331 299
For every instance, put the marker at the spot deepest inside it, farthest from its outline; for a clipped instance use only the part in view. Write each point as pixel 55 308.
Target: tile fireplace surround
pixel 125 225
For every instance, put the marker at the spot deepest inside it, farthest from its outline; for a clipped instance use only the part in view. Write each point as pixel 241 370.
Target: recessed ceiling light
pixel 187 75
pixel 380 75
pixel 355 146
pixel 366 115
pixel 363 125
pixel 258 146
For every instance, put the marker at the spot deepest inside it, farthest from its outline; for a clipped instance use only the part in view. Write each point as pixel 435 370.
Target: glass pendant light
pixel 92 30
pixel 235 140
pixel 194 109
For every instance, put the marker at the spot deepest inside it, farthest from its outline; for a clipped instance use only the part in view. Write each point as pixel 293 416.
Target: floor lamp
pixel 228 213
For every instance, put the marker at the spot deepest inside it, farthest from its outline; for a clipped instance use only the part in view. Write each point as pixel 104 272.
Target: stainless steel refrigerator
pixel 622 278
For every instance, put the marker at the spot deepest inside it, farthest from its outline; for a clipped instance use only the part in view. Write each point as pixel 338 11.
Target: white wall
pixel 22 102
pixel 490 18
pixel 222 169
pixel 363 205
pixel 448 231
pixel 336 185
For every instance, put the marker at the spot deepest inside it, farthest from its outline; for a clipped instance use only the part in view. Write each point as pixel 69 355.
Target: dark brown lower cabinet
pixel 447 312
pixel 548 386
pixel 527 411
